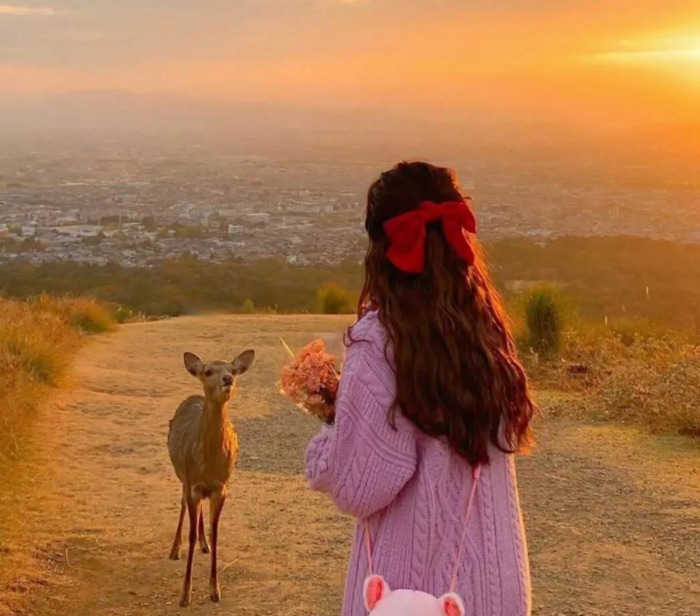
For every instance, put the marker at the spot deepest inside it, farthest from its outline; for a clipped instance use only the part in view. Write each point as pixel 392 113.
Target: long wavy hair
pixel 457 371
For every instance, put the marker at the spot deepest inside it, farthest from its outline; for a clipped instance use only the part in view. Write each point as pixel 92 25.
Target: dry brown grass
pixel 36 347
pixel 38 340
pixel 83 314
pixel 632 372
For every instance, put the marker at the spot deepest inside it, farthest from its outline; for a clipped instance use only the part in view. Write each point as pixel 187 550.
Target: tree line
pixel 621 276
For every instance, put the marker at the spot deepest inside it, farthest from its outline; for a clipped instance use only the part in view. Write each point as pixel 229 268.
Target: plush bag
pixel 380 600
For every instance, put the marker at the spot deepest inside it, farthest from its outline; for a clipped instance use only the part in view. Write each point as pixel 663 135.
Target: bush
pixel 334 299
pixel 83 314
pixel 544 318
pixel 248 306
pixel 122 314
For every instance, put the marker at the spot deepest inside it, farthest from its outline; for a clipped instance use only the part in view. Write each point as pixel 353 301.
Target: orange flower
pixel 310 379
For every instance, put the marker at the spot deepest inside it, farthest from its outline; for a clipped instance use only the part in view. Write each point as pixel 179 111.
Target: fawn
pixel 203 448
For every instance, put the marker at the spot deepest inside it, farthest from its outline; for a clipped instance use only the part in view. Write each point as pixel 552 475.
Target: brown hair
pixel 457 372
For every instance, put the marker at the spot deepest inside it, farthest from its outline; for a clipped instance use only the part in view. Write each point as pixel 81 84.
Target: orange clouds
pixel 589 62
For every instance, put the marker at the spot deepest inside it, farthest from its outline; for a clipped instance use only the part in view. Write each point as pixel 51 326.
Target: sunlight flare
pixel 658 55
pixel 669 49
pixel 21 11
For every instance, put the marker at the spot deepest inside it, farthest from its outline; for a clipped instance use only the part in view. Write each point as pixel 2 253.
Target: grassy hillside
pixel 105 518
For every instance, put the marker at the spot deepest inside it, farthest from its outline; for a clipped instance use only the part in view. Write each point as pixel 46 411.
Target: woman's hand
pixel 323 411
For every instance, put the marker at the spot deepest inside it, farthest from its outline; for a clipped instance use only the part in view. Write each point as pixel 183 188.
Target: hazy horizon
pixel 592 64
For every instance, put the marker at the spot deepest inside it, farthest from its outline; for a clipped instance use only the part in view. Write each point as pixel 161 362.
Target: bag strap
pixel 476 473
pixel 368 548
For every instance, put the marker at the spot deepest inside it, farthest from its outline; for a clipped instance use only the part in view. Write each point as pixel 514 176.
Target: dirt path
pixel 613 517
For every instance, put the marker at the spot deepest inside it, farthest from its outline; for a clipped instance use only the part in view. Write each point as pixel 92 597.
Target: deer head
pixel 218 378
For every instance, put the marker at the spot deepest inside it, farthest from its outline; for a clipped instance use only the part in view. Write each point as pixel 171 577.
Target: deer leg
pixel 203 545
pixel 177 543
pixel 194 502
pixel 217 504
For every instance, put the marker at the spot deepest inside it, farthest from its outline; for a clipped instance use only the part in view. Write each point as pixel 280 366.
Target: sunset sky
pixel 593 61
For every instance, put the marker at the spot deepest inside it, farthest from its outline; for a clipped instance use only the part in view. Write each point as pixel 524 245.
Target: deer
pixel 203 449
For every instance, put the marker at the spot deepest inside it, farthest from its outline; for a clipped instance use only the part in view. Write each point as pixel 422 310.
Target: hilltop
pixel 609 511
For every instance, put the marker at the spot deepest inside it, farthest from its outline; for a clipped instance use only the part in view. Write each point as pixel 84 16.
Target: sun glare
pixel 659 55
pixel 669 50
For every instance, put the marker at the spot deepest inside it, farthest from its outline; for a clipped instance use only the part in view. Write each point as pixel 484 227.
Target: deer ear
pixel 193 364
pixel 243 362
pixel 375 590
pixel 452 605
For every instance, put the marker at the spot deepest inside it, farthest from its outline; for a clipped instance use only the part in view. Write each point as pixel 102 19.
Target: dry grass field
pixel 613 515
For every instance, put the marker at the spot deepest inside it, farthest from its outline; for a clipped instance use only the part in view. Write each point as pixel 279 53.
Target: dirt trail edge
pixel 613 517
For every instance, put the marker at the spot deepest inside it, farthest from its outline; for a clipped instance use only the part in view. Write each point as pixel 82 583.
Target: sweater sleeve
pixel 361 462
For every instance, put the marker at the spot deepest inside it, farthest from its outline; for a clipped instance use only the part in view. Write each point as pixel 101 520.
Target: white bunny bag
pixel 380 600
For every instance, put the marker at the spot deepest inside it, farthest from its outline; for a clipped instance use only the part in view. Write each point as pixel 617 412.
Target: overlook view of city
pixel 220 391
pixel 137 206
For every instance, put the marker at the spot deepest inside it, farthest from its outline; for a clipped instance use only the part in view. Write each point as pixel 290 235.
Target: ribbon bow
pixel 407 233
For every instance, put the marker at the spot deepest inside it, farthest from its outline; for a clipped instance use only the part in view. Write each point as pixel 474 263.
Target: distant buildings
pixel 115 206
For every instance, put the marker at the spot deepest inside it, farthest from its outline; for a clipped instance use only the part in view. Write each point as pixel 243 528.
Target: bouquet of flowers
pixel 310 379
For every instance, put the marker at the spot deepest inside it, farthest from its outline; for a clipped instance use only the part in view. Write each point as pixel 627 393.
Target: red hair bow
pixel 407 233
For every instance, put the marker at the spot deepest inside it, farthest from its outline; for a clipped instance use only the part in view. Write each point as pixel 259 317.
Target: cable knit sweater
pixel 414 492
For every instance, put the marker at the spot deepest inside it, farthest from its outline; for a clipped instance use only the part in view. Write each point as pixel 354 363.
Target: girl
pixel 431 389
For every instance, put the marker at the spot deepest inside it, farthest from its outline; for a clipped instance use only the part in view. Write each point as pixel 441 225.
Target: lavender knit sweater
pixel 414 492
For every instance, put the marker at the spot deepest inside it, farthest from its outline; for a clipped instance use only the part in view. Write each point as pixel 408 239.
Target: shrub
pixel 248 306
pixel 83 314
pixel 334 299
pixel 122 314
pixel 544 319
